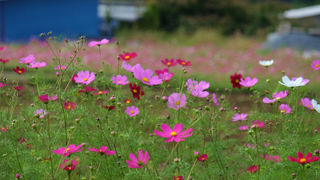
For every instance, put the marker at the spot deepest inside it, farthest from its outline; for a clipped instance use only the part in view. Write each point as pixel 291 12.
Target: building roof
pixel 302 12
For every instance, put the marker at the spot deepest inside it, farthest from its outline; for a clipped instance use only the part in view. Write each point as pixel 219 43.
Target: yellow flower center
pixel 127 101
pixel 132 112
pixel 183 63
pixel 145 79
pixel 283 111
pixel 67 149
pixel 19 71
pixel 100 92
pixel 119 81
pixel 178 103
pixel 303 160
pixel 173 133
pixel 317 65
pixel 127 57
pixel 2 128
pixel 237 80
pixel 85 79
pixel 69 167
pixel 134 90
pixel 69 107
pixel 278 98
pixel 169 63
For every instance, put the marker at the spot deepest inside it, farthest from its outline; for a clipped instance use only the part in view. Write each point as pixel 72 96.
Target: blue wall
pixel 25 19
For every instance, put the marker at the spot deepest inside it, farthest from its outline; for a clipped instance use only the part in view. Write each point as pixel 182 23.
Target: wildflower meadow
pixel 138 109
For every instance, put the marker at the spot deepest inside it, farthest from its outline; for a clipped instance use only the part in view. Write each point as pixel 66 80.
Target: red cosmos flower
pixel 203 157
pixel 68 165
pixel 183 62
pixel 108 107
pixel 87 89
pixel 168 62
pixel 18 88
pixel 4 60
pixel 136 91
pixel 303 160
pixel 46 98
pixel 253 169
pixel 21 140
pixel 177 177
pixel 235 80
pixel 19 70
pixel 127 56
pixel 73 77
pixel 69 105
pixel 127 101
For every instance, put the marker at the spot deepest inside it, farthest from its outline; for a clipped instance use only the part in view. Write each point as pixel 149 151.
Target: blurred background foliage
pixel 248 17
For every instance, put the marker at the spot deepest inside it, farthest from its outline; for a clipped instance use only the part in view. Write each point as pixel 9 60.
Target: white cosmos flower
pixel 266 63
pixel 294 82
pixel 315 105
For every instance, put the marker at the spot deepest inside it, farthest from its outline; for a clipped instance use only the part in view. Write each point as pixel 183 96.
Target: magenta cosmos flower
pixel 145 76
pixel 68 165
pixel 285 108
pixel 100 92
pixel 84 77
pixel 164 74
pixel 2 85
pixel 132 111
pixel 37 65
pixel 257 123
pixel 243 128
pixel 176 134
pixel 46 98
pixel 306 102
pixel 169 62
pixel 176 101
pixel 69 105
pixel 69 150
pixel 248 82
pixel 215 100
pixel 27 60
pixel 197 89
pixel 303 160
pixel 119 80
pixel 98 43
pixel 315 65
pixel 127 56
pixel 240 117
pixel 142 160
pixel 102 150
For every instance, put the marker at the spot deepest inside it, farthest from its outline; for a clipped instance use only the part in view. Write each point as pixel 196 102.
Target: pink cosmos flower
pixel 132 111
pixel 176 101
pixel 100 92
pixel 2 85
pixel 62 67
pixel 215 100
pixel 271 158
pixel 280 95
pixel 306 102
pixel 98 43
pixel 248 82
pixel 69 150
pixel 84 77
pixel 130 68
pixel 119 80
pixel 69 105
pixel 315 65
pixel 46 98
pixel 37 65
pixel 253 169
pixel 164 74
pixel 3 129
pixel 284 108
pixel 176 134
pixel 197 89
pixel 243 128
pixel 102 150
pixel 238 117
pixel 1 48
pixel 266 100
pixel 68 165
pixel 142 160
pixel 257 123
pixel 27 60
pixel 40 113
pixel 145 76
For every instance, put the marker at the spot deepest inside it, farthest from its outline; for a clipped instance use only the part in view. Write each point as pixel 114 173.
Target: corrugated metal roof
pixel 302 12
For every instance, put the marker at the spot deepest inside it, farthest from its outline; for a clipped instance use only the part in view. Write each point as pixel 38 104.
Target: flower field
pixel 158 110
